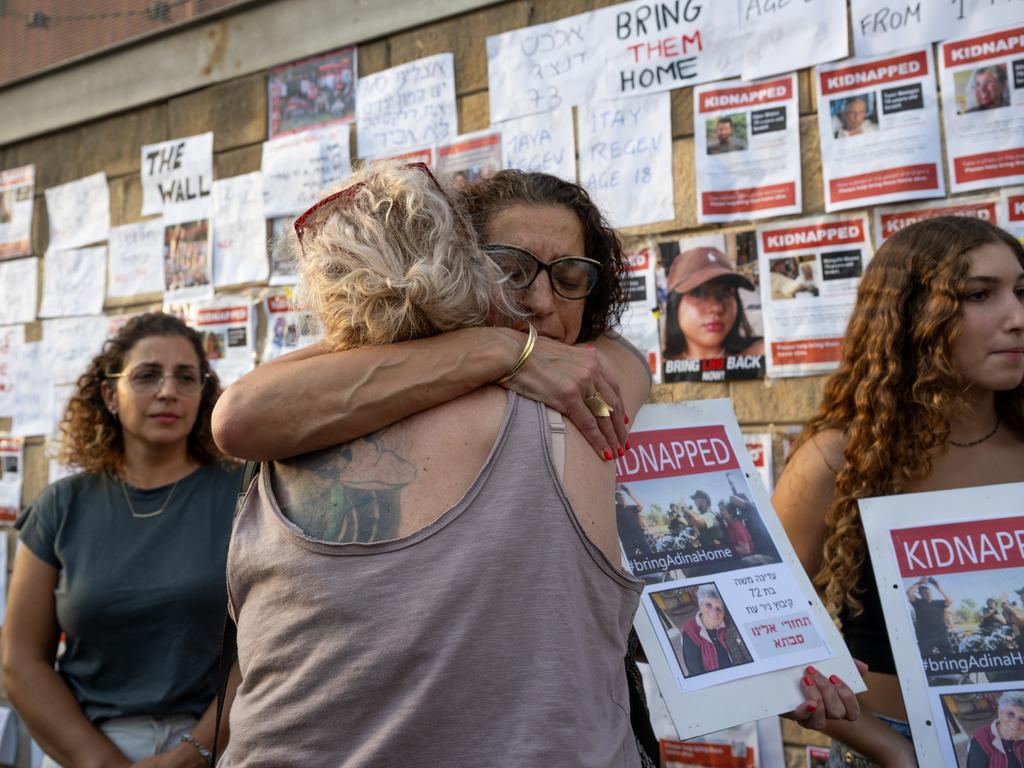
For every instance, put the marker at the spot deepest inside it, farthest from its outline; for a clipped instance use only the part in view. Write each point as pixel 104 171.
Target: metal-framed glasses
pixel 149 379
pixel 571 277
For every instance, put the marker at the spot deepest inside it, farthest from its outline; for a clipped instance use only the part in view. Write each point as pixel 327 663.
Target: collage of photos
pixel 187 257
pixel 311 93
pixel 711 309
pixel 682 527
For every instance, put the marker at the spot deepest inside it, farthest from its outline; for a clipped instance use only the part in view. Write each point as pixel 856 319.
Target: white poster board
pixel 19 281
pixel 300 168
pixel 78 212
pixel 544 143
pixel 782 36
pixel 747 144
pixel 949 565
pixel 177 175
pixel 12 477
pixel 759 446
pixel 227 326
pixel 16 189
pixel 74 282
pixel 239 231
pixel 686 459
pixel 135 264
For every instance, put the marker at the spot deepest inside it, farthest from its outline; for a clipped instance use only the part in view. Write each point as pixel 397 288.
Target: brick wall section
pixel 236 113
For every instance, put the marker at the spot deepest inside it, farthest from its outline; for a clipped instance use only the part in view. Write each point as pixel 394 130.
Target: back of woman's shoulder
pixel 823 449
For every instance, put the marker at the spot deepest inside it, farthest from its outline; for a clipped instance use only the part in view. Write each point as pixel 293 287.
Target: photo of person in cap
pixel 704 317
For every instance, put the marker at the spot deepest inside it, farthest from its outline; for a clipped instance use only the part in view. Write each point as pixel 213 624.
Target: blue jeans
pixel 142 736
pixel 841 756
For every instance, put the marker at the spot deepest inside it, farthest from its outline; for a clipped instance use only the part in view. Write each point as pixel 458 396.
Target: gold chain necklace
pixel 131 507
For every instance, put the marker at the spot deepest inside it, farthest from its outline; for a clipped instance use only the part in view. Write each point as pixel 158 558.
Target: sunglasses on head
pixel 571 277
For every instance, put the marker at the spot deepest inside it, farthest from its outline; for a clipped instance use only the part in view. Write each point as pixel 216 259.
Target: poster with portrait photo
pixel 711 309
pixel 281 245
pixel 982 83
pixel 748 150
pixel 288 327
pixel 188 261
pixel 470 158
pixel 726 606
pixel 950 571
pixel 878 123
pixel 16 189
pixel 311 93
pixel 891 219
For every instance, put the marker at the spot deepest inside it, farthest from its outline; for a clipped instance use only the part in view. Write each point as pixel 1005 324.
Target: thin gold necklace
pixel 131 507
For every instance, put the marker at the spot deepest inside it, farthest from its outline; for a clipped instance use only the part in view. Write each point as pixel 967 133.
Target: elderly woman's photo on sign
pixel 986 728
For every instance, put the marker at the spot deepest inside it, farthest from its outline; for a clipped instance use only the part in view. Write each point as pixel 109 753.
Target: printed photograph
pixel 969 626
pixel 467 162
pixel 793 276
pixel 6 205
pixel 282 262
pixel 982 89
pixel 711 308
pixel 312 93
pixel 853 115
pixel 187 255
pixel 727 133
pixel 986 728
pixel 700 629
pixel 681 527
pixel 213 344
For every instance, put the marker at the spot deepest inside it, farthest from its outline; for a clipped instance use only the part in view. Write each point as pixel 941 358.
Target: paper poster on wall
pixel 759 446
pixel 545 143
pixel 982 80
pixel 786 36
pixel 712 309
pixel 723 630
pixel 239 231
pixel 812 268
pixel 1011 215
pixel 19 280
pixel 639 326
pixel 301 168
pixel 879 126
pixel 282 253
pixel 407 107
pixel 662 46
pixel 882 26
pixel 177 175
pixel 78 212
pixel 288 328
pixel 891 219
pixel 423 155
pixel 950 570
pixel 74 282
pixel 747 144
pixel 188 261
pixel 12 477
pixel 135 260
pixel 544 67
pixel 816 757
pixel 32 412
pixel 470 158
pixel 227 325
pixel 626 159
pixel 11 339
pixel 70 343
pixel 312 93
pixel 17 186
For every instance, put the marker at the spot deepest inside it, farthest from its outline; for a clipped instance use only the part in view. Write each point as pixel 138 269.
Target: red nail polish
pixel 811 670
pixel 607 454
pixel 808 681
pixel 835 680
pixel 812 707
pixel 628 446
pixel 621 452
pixel 625 418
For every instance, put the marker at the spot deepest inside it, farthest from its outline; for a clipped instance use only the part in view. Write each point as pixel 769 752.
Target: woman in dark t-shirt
pixel 127 559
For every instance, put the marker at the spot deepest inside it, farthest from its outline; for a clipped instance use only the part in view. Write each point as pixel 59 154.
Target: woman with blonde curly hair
pixel 126 559
pixel 929 396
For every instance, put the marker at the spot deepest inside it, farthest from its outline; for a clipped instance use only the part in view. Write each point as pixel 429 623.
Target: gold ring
pixel 597 406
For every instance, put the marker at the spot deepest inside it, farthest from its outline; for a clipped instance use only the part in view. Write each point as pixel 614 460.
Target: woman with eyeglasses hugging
pixel 126 559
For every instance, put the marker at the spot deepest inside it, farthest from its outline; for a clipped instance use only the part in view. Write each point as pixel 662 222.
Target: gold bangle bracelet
pixel 531 340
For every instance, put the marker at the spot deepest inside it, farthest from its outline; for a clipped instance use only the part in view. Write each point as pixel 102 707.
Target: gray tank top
pixel 494 636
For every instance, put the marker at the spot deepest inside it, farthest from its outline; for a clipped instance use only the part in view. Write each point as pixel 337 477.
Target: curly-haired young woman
pixel 127 559
pixel 929 395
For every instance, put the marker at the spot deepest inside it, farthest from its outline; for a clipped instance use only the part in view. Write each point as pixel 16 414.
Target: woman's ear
pixel 109 395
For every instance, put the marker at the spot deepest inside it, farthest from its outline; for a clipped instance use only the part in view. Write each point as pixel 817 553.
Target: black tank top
pixel 865 633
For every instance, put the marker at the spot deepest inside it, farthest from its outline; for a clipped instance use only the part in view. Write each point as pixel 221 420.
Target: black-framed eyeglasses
pixel 572 277
pixel 148 379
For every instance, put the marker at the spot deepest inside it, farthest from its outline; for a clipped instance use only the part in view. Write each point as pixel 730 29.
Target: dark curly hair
pixel 91 438
pixel 486 199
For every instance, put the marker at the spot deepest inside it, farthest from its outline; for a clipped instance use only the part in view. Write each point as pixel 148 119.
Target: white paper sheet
pixel 626 158
pixel 544 143
pixel 639 325
pixel 11 339
pixel 544 67
pixel 188 261
pixel 470 157
pixel 300 168
pixel 759 446
pixel 982 81
pixel 70 343
pixel 19 281
pixel 282 254
pixel 407 107
pixel 17 186
pixel 135 261
pixel 810 270
pixel 661 46
pixel 879 126
pixel 288 328
pixel 78 212
pixel 1011 211
pixel 884 26
pixel 747 143
pixel 239 231
pixel 12 477
pixel 74 282
pixel 177 175
pixel 33 392
pixel 785 35
pixel 892 218
pixel 227 325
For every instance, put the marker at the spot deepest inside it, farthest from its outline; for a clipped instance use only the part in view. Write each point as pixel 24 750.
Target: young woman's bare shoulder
pixel 829 444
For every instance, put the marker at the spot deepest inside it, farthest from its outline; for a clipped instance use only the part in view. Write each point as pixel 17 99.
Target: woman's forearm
pixel 312 401
pixel 874 739
pixel 55 719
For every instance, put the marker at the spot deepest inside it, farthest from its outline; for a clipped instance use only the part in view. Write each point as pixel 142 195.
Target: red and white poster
pixel 983 107
pixel 891 219
pixel 950 571
pixel 227 326
pixel 16 188
pixel 747 140
pixel 811 269
pixel 1011 212
pixel 759 446
pixel 288 328
pixel 470 158
pixel 12 476
pixel 879 125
